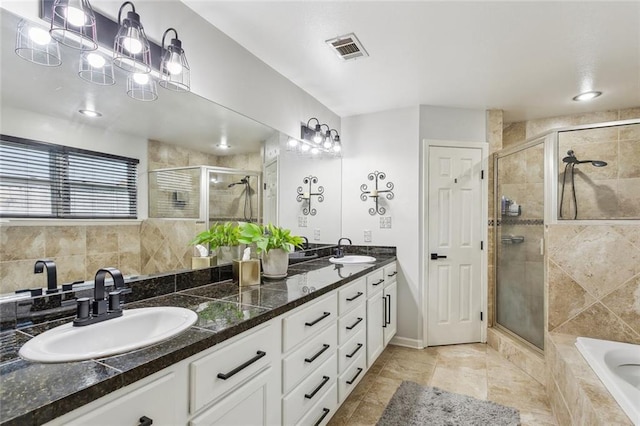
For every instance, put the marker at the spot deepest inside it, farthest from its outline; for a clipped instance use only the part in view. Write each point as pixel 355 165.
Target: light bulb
pixel 132 45
pixel 315 151
pixel 174 67
pixel 293 142
pixel 327 143
pixel 141 78
pixel 318 137
pixel 304 147
pixel 75 16
pixel 39 36
pixel 587 96
pixel 95 60
pixel 337 147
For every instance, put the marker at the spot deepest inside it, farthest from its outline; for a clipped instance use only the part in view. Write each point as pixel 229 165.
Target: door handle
pixel 436 256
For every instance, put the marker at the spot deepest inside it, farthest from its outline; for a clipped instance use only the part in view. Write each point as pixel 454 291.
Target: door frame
pixel 262 189
pixel 424 241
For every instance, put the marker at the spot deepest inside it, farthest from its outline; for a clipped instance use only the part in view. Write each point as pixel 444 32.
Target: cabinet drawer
pixel 309 357
pixel 308 321
pixel 351 296
pixel 304 396
pixel 351 350
pixel 322 412
pixel 217 373
pixel 390 273
pixel 351 377
pixel 375 282
pixel 351 323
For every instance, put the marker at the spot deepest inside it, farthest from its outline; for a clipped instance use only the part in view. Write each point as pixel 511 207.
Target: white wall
pixel 30 125
pixel 387 142
pixel 391 141
pixel 221 70
pixel 292 170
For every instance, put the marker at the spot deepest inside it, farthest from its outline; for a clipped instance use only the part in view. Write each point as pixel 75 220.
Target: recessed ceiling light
pixel 587 96
pixel 223 146
pixel 90 113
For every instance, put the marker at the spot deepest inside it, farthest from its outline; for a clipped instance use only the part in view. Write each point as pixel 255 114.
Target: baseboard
pixel 406 342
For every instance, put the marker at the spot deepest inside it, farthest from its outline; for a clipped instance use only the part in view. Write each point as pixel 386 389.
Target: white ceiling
pixel 527 58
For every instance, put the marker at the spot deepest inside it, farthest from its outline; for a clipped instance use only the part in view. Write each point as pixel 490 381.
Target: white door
pixel 454 256
pixel 271 193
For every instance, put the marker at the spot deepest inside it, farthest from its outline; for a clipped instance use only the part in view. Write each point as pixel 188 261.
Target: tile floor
pixel 475 370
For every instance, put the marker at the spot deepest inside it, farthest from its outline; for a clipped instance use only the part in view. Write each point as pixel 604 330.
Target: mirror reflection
pixel 177 131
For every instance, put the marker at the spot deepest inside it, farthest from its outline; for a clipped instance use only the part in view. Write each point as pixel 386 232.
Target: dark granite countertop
pixel 34 393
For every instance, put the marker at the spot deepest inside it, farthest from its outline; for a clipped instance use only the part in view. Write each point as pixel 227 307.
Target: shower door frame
pixel 205 195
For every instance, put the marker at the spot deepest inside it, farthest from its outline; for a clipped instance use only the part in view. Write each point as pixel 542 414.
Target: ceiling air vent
pixel 347 47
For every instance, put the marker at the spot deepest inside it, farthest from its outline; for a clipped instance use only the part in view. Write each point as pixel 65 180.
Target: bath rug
pixel 413 404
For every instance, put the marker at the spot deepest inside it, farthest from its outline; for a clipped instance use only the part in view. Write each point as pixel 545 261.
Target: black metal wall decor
pixel 376 193
pixel 306 195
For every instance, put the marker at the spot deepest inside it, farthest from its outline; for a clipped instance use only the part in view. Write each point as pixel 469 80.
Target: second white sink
pixel 352 259
pixel 136 328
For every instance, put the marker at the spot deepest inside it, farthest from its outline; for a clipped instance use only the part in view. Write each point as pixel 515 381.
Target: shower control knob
pixel 436 256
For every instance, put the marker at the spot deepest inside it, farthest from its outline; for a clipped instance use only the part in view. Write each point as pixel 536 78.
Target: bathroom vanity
pixel 285 352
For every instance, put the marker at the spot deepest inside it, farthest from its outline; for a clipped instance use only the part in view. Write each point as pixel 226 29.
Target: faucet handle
pixel 114 301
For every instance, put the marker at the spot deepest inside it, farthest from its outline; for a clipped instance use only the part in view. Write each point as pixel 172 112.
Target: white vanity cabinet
pixel 390 294
pixel 381 310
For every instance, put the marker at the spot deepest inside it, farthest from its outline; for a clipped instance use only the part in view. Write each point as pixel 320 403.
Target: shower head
pixel 571 159
pixel 243 181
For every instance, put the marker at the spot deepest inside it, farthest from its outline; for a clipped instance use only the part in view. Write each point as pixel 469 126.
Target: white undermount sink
pixel 346 260
pixel 136 328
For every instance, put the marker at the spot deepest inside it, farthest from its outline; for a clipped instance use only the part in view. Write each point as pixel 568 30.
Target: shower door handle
pixel 436 256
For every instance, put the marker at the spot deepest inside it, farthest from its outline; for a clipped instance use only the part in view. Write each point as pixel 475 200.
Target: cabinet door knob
pixel 145 421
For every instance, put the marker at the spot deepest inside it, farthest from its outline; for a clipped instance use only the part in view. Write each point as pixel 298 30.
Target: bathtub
pixel 618 367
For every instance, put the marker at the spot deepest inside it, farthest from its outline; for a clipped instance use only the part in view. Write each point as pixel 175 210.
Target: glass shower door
pixel 519 242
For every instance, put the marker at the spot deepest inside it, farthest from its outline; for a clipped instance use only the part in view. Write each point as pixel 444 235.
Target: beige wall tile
pixel 625 303
pixel 566 297
pixel 65 241
pixel 100 260
pixel 72 268
pixel 629 163
pixel 630 131
pixel 128 238
pixel 630 232
pixel 129 263
pixel 558 405
pixel 494 129
pixel 628 113
pixel 19 274
pixel 21 243
pixel 629 198
pixel 102 239
pixel 513 133
pixel 574 139
pixel 597 199
pixel 599 323
pixel 560 236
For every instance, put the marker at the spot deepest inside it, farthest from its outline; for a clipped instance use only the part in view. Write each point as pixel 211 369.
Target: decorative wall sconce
pixel 376 193
pixel 306 195
pixel 75 24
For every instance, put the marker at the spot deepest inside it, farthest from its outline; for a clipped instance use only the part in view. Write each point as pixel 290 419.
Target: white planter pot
pixel 275 263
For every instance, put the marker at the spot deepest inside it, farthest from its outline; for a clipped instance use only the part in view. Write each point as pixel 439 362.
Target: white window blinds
pixel 41 180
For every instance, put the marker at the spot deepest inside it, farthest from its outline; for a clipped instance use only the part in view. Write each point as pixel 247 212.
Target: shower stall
pixel 580 175
pixel 206 193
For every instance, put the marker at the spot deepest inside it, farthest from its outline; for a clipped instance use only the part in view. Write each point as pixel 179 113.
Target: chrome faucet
pixel 339 251
pixel 101 309
pixel 52 279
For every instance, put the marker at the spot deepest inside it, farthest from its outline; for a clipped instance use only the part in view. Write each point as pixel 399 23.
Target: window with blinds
pixel 42 180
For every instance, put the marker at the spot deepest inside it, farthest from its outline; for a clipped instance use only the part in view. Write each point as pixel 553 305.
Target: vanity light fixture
pixel 317 131
pixel 376 193
pixel 96 69
pixel 174 68
pixel 306 194
pixel 131 50
pixel 337 146
pixel 34 44
pixel 587 96
pixel 142 87
pixel 328 143
pixel 74 24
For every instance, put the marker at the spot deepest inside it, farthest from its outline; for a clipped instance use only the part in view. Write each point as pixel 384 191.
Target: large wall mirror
pixel 178 130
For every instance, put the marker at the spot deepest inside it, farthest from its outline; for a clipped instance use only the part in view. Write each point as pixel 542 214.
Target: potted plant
pixel 273 243
pixel 222 238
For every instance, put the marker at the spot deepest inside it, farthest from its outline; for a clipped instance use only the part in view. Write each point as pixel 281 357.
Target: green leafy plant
pixel 268 237
pixel 219 235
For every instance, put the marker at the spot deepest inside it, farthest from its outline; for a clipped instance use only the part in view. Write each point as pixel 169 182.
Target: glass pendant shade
pixel 74 24
pixel 142 87
pixel 36 45
pixel 96 68
pixel 131 50
pixel 174 68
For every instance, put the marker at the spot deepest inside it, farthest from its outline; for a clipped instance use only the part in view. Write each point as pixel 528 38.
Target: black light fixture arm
pixel 133 9
pixel 317 122
pixel 376 193
pixel 304 195
pixel 174 41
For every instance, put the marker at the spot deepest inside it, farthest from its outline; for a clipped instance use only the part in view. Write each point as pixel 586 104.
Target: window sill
pixel 67 222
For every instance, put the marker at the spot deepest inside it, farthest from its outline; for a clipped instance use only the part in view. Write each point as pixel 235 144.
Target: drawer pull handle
pixel 314 322
pixel 225 376
pixel 352 326
pixel 325 379
pixel 325 411
pixel 145 421
pixel 379 282
pixel 351 299
pixel 313 358
pixel 393 274
pixel 350 382
pixel 354 351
